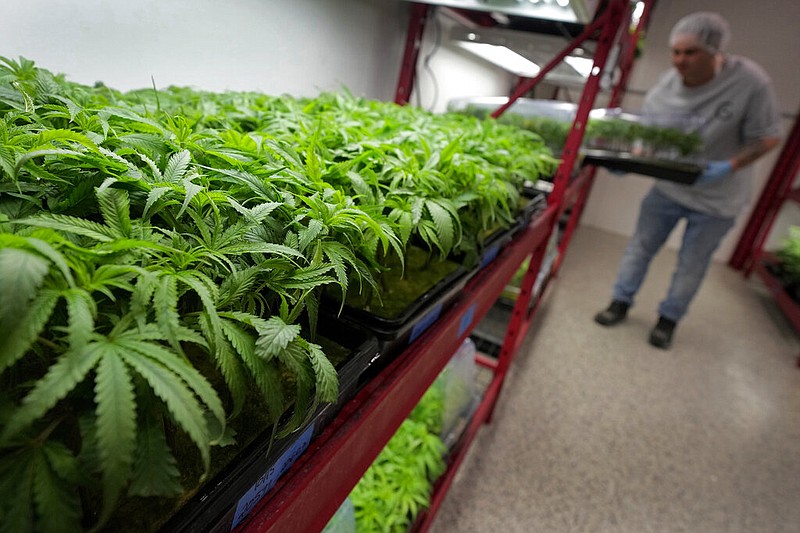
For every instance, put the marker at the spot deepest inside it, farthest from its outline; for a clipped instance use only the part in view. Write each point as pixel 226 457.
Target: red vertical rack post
pixel 408 69
pixel 535 244
pixel 775 191
pixel 628 54
pixel 628 44
pixel 749 254
pixel 614 14
pixel 608 23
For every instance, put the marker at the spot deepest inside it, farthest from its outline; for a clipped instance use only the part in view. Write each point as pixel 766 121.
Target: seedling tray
pixel 677 171
pixel 536 202
pixel 396 333
pixel 498 240
pixel 230 496
pixel 364 353
pixel 392 341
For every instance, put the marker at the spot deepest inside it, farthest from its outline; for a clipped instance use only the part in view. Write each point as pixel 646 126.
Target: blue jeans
pixel 658 216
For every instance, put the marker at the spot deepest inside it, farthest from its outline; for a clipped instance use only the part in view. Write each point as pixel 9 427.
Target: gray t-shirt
pixel 736 108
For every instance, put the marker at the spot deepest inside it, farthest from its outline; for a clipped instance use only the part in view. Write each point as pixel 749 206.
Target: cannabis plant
pixel 123 317
pixel 789 255
pixel 397 486
pixel 163 258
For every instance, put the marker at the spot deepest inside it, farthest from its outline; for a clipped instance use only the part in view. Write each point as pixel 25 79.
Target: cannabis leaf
pixel 274 337
pixel 38 480
pixel 163 257
pixel 115 360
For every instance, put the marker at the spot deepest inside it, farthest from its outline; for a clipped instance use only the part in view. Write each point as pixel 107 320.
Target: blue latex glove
pixel 715 170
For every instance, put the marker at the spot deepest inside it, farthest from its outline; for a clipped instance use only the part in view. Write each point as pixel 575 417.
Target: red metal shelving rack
pixel 308 495
pixel 789 307
pixel 305 498
pixel 749 254
pixel 778 189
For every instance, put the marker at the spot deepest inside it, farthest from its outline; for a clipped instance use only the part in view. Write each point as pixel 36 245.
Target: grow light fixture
pixel 580 11
pixel 503 57
pixel 636 16
pixel 582 65
pixel 522 53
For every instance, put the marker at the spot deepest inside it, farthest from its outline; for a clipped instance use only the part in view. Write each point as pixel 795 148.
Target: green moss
pixel 400 288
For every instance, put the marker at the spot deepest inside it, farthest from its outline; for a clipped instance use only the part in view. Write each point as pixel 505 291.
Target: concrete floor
pixel 597 431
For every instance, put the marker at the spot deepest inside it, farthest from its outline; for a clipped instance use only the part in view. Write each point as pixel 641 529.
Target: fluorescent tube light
pixel 582 65
pixel 502 57
pixel 637 13
pixel 581 11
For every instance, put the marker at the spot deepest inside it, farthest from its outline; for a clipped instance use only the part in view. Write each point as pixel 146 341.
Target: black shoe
pixel 614 314
pixel 661 334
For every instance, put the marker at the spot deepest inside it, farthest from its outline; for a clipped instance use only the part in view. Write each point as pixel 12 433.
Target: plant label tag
pixel 466 319
pixel 425 322
pixel 490 254
pixel 268 480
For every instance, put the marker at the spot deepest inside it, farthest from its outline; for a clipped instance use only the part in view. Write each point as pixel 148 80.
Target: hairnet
pixel 710 29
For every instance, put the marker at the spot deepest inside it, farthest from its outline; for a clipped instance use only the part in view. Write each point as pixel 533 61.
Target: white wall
pixel 764 31
pixel 446 72
pixel 299 47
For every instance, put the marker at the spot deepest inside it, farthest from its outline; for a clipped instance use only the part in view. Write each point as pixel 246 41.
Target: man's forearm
pixel 753 152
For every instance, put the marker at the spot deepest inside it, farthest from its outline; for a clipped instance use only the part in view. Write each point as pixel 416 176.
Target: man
pixel 734 96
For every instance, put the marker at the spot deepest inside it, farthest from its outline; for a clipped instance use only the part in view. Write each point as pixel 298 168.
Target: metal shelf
pixel 307 496
pixel 787 305
pixel 778 190
pixel 790 308
pixel 312 490
pixel 749 254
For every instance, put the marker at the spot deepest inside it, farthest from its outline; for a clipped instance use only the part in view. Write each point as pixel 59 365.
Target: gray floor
pixel 597 431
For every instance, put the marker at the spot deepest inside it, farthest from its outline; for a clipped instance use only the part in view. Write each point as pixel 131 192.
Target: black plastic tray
pixel 535 202
pixel 397 333
pixel 365 351
pixel 224 501
pixel 665 169
pixel 498 240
